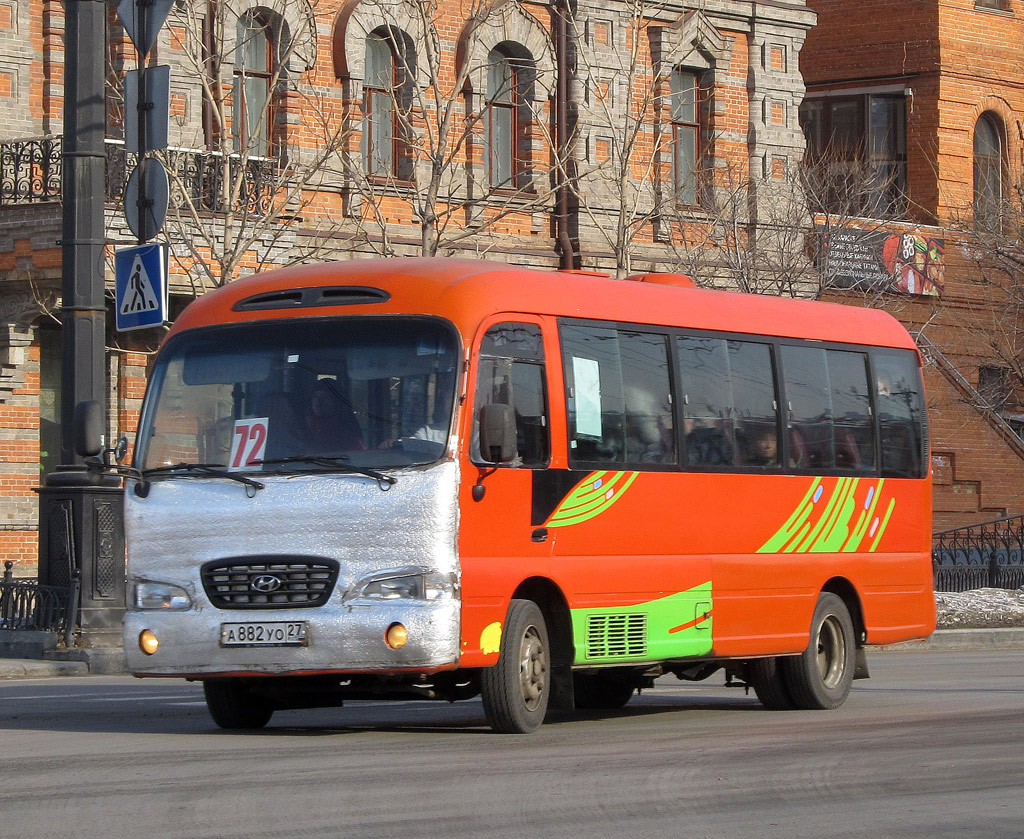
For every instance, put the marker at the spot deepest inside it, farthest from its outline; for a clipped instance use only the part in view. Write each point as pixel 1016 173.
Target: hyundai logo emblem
pixel 266 583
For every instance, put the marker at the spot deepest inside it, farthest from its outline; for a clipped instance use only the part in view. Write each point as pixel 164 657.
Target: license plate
pixel 265 634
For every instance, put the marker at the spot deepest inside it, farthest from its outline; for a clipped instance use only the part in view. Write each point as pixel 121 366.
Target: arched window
pixel 684 105
pixel 386 88
pixel 507 117
pixel 988 171
pixel 254 68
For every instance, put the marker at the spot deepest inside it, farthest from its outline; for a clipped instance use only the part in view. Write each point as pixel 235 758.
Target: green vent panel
pixel 616 636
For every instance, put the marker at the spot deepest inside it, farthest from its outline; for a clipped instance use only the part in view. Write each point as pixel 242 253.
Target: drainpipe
pixel 567 250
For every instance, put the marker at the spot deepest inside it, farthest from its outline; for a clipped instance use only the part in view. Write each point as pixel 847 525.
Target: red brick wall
pixel 959 61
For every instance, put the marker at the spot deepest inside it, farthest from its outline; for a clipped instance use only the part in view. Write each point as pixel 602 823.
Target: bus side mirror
pixel 497 433
pixel 88 428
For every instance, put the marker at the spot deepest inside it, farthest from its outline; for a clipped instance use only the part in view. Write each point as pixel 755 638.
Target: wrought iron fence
pixel 30 172
pixel 26 604
pixel 985 555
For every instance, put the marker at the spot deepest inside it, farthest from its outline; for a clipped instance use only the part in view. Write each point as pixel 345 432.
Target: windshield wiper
pixel 339 462
pixel 217 470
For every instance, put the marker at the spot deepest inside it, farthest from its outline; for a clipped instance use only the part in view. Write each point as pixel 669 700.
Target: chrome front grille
pixel 269 582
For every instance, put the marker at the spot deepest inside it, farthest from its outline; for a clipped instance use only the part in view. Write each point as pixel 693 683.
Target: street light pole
pixel 80 516
pixel 83 313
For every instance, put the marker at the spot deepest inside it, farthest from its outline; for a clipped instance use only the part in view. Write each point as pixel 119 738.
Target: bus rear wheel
pixel 233 705
pixel 766 678
pixel 820 678
pixel 516 690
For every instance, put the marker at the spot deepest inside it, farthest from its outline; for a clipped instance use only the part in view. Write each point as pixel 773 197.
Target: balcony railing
pixel 30 172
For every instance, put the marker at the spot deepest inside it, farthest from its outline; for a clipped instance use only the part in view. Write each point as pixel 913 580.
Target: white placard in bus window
pixel 248 443
pixel 586 375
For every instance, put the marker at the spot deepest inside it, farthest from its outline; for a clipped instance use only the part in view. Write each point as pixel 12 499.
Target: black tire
pixel 233 705
pixel 601 692
pixel 516 690
pixel 765 677
pixel 819 679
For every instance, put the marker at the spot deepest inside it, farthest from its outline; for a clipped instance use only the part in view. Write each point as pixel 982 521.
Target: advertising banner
pixel 911 263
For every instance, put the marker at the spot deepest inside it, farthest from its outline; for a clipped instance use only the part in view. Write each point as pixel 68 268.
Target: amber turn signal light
pixel 148 642
pixel 396 636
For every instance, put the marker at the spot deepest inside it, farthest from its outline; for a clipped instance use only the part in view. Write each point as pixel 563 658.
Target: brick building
pixel 927 99
pixel 602 137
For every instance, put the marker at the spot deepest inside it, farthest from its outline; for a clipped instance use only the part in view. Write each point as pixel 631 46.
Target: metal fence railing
pixel 26 604
pixel 985 555
pixel 30 172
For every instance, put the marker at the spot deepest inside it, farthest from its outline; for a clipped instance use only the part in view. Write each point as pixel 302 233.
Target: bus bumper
pixel 351 638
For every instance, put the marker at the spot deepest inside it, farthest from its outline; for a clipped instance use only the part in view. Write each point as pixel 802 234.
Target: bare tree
pixel 623 173
pixel 755 235
pixel 430 117
pixel 991 238
pixel 258 145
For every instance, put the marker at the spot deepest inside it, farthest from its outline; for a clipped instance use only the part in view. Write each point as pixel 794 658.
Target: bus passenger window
pixel 618 399
pixel 511 372
pixel 706 387
pixel 728 394
pixel 808 394
pixel 753 408
pixel 851 409
pixel 900 410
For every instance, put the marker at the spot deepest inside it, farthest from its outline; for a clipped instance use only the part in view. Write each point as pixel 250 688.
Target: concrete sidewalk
pixel 108 661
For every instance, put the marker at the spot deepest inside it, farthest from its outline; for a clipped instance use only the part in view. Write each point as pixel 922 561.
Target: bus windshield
pixel 297 396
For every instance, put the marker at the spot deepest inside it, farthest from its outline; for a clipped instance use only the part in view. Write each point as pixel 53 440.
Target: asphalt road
pixel 931 746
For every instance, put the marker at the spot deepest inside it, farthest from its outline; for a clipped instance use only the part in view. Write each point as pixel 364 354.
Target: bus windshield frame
pixel 316 394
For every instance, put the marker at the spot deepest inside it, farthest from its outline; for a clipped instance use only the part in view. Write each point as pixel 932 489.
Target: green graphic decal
pixel 676 626
pixel 836 514
pixel 591 497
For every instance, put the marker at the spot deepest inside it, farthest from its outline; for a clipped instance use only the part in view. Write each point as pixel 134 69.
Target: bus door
pixel 501 540
pixel 621 510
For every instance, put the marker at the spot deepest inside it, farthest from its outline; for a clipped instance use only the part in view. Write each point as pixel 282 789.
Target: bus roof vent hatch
pixel 305 298
pixel 677 280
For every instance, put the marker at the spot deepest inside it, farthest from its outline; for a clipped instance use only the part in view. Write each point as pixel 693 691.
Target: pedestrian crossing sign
pixel 140 275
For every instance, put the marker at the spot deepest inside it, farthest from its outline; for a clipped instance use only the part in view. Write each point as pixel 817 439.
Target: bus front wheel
pixel 516 690
pixel 820 678
pixel 233 705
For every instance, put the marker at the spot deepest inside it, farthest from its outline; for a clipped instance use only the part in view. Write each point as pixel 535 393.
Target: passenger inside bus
pixel 707 444
pixel 431 435
pixel 330 423
pixel 763 450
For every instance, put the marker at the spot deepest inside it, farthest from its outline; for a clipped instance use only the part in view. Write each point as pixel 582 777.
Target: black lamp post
pixel 81 529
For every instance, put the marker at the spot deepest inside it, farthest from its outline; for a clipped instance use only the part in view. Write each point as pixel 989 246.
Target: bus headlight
pixel 404 584
pixel 164 596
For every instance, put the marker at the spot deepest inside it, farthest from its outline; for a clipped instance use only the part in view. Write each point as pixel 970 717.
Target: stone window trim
pixel 691 46
pixel 510 30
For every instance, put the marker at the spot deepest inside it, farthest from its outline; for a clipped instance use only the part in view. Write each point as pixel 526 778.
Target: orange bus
pixel 410 478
